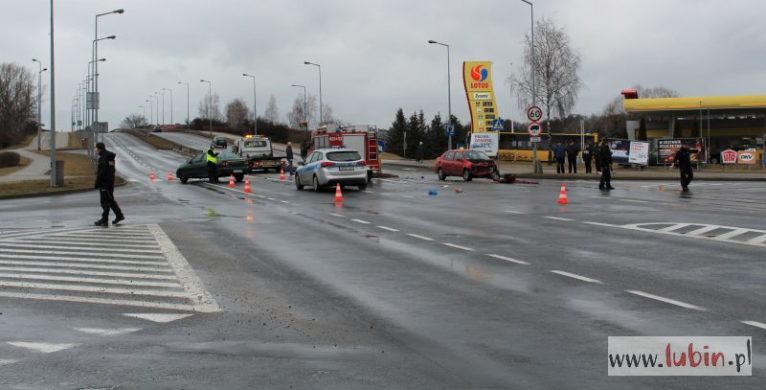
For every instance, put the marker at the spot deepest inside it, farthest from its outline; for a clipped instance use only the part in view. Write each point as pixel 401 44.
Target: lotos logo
pixel 479 74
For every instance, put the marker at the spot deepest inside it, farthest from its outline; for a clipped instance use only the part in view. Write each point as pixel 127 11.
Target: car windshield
pixel 255 144
pixel 344 156
pixel 227 155
pixel 475 155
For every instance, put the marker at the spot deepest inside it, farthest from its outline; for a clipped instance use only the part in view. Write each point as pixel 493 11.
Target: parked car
pixel 157 129
pixel 228 164
pixel 465 163
pixel 328 167
pixel 220 142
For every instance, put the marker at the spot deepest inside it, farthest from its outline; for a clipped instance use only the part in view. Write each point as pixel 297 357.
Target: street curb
pixel 56 193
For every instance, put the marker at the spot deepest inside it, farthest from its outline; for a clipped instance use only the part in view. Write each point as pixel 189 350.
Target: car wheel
pixel 298 184
pixel 315 182
pixel 467 175
pixel 441 174
pixel 183 179
pixel 239 177
pixel 362 187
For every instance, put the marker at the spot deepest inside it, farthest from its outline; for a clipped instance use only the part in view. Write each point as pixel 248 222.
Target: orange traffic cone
pixel 231 181
pixel 152 176
pixel 170 176
pixel 247 185
pixel 282 174
pixel 563 194
pixel 338 193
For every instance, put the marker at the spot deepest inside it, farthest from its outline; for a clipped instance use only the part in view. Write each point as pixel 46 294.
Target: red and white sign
pixel 534 113
pixel 535 129
pixel 747 157
pixel 729 156
pixel 335 139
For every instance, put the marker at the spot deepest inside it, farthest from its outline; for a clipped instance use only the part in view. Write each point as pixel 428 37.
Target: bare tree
pixel 329 118
pixel 298 115
pixel 555 65
pixel 236 114
pixel 210 108
pixel 17 102
pixel 272 112
pixel 134 121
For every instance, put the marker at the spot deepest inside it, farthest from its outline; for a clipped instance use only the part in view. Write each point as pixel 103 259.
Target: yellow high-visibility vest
pixel 211 158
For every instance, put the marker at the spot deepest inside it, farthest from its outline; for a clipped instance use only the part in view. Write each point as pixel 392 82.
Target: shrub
pixel 9 159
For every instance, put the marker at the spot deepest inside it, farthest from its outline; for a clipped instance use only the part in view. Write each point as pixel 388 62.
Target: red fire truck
pixel 359 138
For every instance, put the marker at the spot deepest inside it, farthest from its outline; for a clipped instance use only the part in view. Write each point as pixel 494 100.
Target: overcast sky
pixel 374 53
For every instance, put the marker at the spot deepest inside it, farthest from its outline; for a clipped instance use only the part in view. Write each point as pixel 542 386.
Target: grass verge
pixel 159 143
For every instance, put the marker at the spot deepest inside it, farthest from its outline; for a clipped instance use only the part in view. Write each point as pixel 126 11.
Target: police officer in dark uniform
pixel 605 162
pixel 212 165
pixel 684 160
pixel 105 185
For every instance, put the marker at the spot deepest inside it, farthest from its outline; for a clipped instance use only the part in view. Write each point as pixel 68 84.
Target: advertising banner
pixel 747 157
pixel 729 156
pixel 477 80
pixel 620 150
pixel 639 153
pixel 485 142
pixel 667 148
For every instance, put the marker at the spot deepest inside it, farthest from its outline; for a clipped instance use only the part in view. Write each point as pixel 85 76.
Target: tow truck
pixel 359 138
pixel 259 153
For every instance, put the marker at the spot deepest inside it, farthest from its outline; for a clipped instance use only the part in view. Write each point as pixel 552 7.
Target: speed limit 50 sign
pixel 534 113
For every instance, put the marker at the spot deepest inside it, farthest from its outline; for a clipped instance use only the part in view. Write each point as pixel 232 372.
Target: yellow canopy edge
pixel 695 103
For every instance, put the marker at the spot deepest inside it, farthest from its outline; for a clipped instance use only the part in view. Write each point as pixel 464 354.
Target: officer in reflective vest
pixel 212 165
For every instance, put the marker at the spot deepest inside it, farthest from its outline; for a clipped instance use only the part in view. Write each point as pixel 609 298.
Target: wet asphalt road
pixel 489 286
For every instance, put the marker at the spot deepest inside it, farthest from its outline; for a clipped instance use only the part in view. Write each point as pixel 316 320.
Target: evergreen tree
pixel 435 141
pixel 394 142
pixel 413 135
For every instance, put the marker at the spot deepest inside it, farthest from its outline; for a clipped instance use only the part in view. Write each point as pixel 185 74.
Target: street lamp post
pixel 188 124
pixel 144 109
pixel 151 110
pixel 449 93
pixel 95 55
pixel 321 117
pixel 538 169
pixel 92 132
pixel 39 100
pixel 54 168
pixel 156 97
pixel 255 107
pixel 305 112
pixel 162 93
pixel 209 103
pixel 171 104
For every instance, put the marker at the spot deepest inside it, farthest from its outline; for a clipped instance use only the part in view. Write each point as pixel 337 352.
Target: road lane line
pixel 121 282
pixel 388 228
pixel 163 268
pixel 666 300
pixel 284 201
pixel 41 347
pixel 671 228
pixel 599 224
pixel 363 222
pixel 81 259
pixel 731 234
pixel 96 244
pixel 558 218
pixel 87 273
pixel 465 248
pixel 109 255
pixel 93 289
pixel 757 240
pixel 338 215
pixel 575 276
pixel 755 324
pixel 514 212
pixel 104 301
pixel 107 332
pixel 81 248
pixel 420 237
pixel 702 231
pixel 504 258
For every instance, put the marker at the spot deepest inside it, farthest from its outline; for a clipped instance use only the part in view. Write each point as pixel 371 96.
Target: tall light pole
pixel 54 168
pixel 255 107
pixel 162 93
pixel 144 109
pixel 449 93
pixel 305 112
pixel 188 124
pixel 171 104
pixel 95 55
pixel 209 103
pixel 39 101
pixel 321 118
pixel 535 163
pixel 151 110
pixel 156 97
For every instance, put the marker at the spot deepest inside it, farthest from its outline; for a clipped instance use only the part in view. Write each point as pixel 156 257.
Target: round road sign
pixel 535 129
pixel 534 113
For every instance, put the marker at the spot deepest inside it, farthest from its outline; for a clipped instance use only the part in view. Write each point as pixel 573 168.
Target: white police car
pixel 328 167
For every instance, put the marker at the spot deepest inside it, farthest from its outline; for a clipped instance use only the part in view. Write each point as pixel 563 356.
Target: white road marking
pixel 101 290
pixel 465 248
pixel 107 332
pixel 284 201
pixel 41 347
pixel 158 317
pixel 388 228
pixel 337 215
pixel 102 301
pixel 89 273
pixel 504 258
pixel 599 224
pixel 121 282
pixel 363 222
pixel 635 200
pixel 702 231
pixel 420 237
pixel 111 255
pixel 5 362
pixel 666 300
pixel 731 234
pixel 514 212
pixel 88 249
pixel 88 266
pixel 187 276
pixel 558 218
pixel 271 199
pixel 575 276
pixel 757 240
pixel 755 324
pixel 369 192
pixel 81 259
pixel 674 227
pixel 97 244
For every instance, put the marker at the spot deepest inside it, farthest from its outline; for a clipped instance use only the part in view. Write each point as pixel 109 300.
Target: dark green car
pixel 228 164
